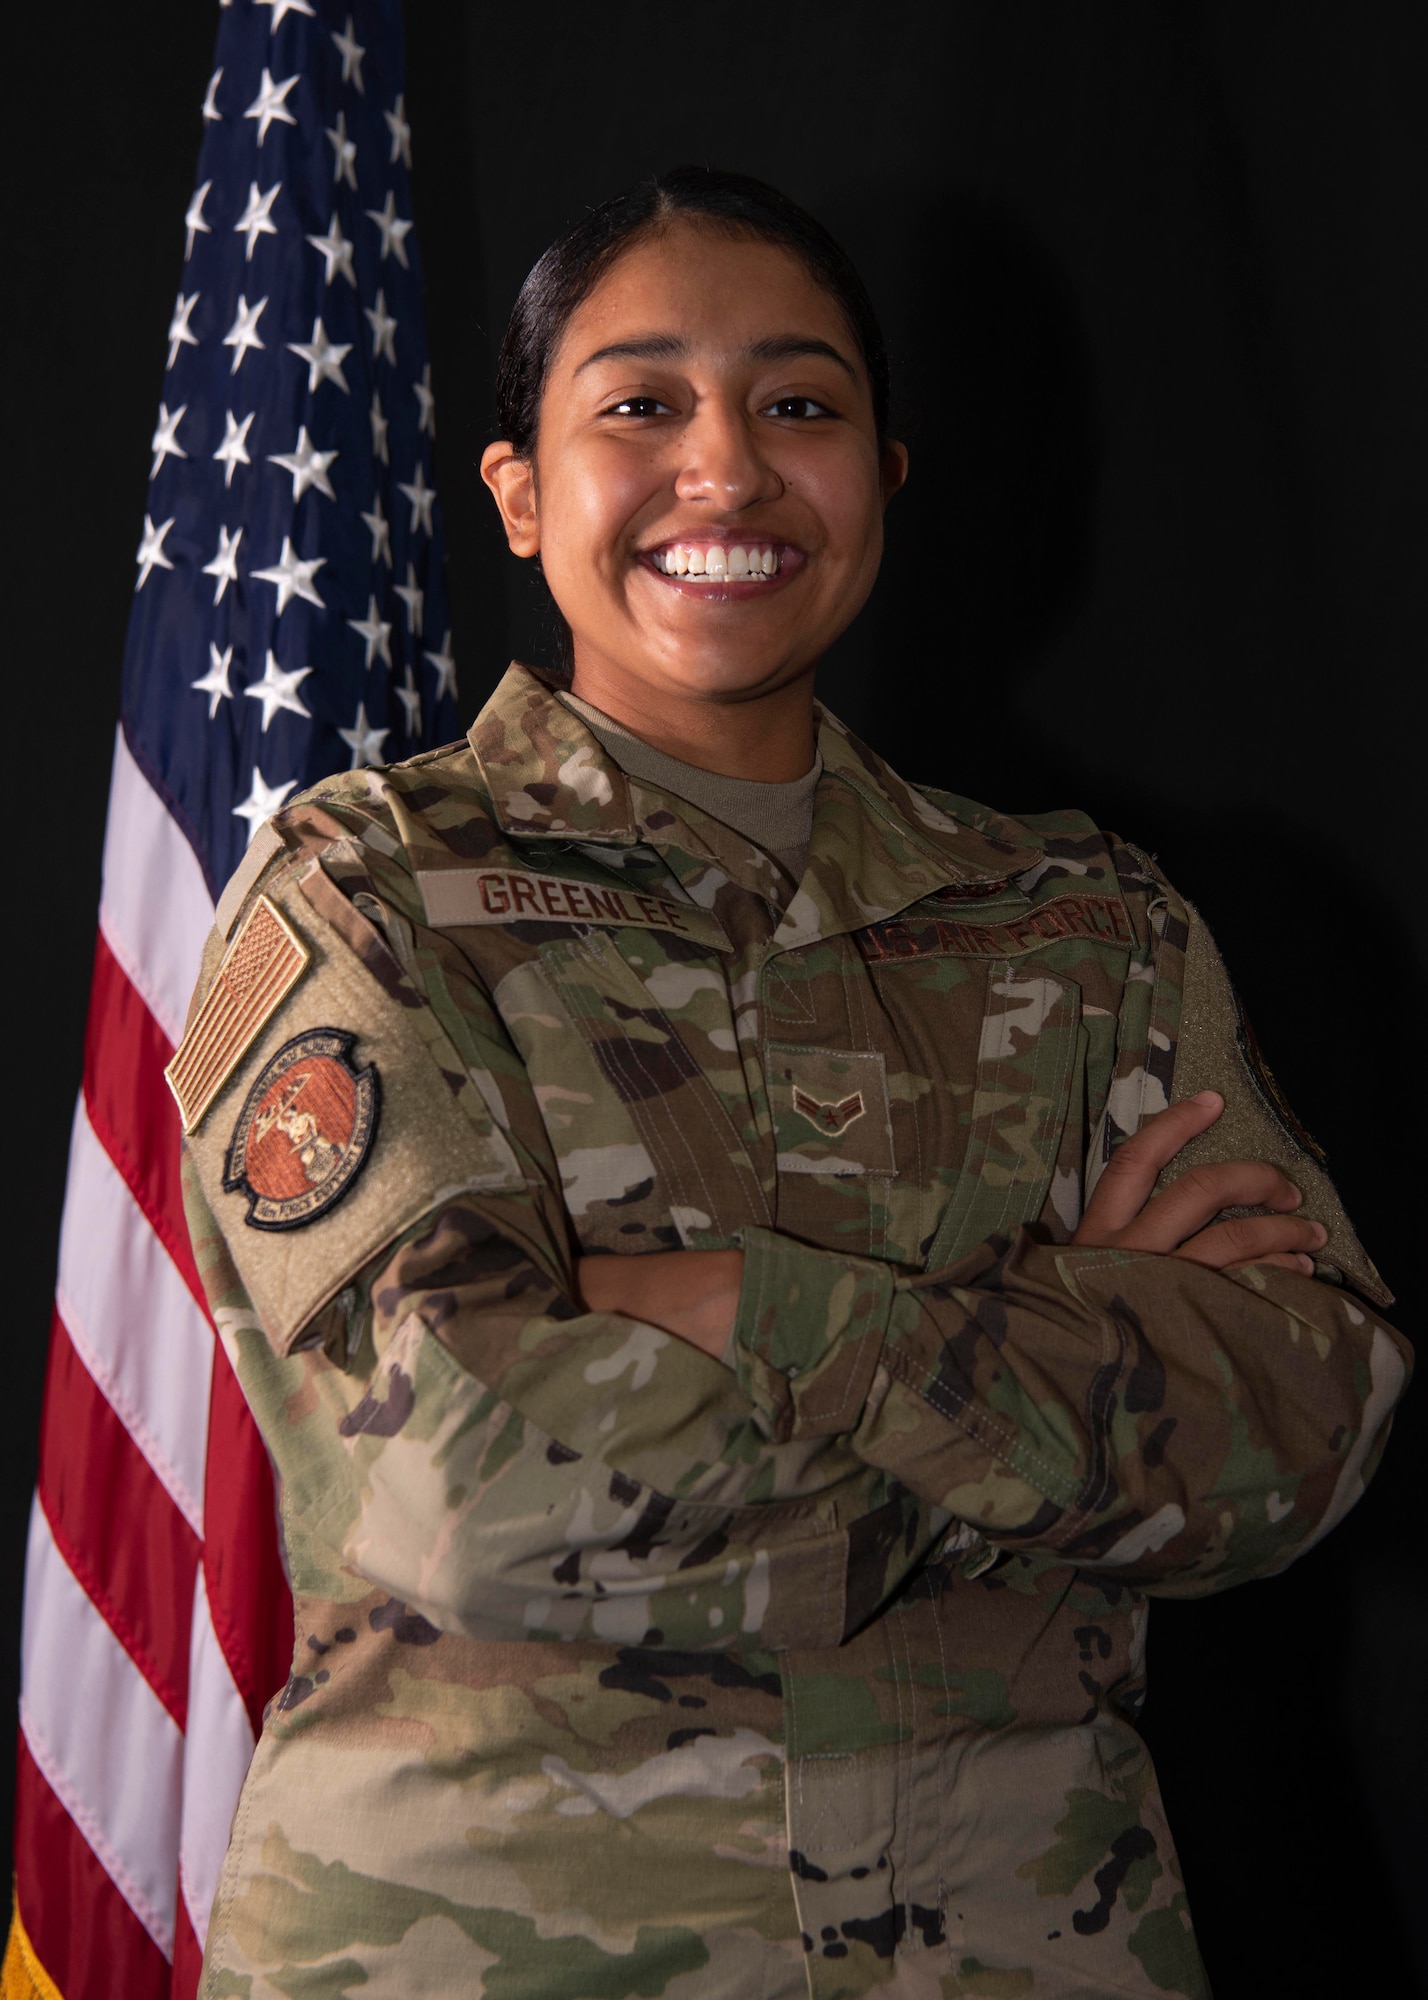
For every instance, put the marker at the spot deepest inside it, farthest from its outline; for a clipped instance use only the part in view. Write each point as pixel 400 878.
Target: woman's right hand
pixel 693 1294
pixel 1125 1212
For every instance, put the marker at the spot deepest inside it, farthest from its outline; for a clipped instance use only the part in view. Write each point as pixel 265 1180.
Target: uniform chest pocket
pixel 655 1042
pixel 1026 1096
pixel 830 1110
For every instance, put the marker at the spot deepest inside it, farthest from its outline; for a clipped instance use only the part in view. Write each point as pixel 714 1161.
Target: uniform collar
pixel 879 845
pixel 548 777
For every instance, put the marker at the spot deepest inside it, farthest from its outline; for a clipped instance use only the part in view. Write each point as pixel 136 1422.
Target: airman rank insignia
pixel 260 967
pixel 304 1132
pixel 830 1119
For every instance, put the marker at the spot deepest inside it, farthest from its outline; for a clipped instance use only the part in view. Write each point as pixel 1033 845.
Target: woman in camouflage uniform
pixel 682 1204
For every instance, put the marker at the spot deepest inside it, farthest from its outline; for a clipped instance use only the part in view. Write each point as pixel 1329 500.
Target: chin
pixel 734 664
pixel 730 678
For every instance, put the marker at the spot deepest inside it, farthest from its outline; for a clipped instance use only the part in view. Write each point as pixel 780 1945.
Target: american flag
pixel 289 620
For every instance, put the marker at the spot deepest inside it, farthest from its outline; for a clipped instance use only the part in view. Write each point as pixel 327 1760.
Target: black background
pixel 1155 284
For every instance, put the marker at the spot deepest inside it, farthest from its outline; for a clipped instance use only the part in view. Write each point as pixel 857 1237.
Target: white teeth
pixel 737 561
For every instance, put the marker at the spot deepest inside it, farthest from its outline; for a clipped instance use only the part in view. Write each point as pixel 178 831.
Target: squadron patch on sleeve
pixel 260 967
pixel 304 1132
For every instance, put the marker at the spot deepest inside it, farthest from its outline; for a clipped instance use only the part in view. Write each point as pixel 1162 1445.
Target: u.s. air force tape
pixel 1097 919
pixel 455 897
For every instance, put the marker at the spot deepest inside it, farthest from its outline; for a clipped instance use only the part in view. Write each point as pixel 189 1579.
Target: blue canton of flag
pixel 290 611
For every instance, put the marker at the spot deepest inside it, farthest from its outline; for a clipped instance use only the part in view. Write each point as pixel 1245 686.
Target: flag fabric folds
pixel 289 620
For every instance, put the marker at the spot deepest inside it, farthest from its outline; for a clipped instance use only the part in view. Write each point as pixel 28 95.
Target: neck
pixel 769 736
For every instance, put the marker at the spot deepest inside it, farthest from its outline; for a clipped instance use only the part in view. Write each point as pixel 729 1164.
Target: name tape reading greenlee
pixel 457 896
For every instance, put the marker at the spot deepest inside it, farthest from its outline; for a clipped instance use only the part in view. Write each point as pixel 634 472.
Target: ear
pixel 893 468
pixel 512 483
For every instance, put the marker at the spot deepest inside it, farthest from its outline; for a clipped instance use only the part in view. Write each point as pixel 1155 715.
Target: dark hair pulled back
pixel 574 264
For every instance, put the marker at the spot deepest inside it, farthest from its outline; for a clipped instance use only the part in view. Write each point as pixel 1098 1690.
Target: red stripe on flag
pixel 85 1935
pixel 248 1595
pixel 115 1524
pixel 131 1107
pixel 135 1118
pixel 188 1957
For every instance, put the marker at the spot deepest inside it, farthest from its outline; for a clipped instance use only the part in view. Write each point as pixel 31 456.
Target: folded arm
pixel 1173 1396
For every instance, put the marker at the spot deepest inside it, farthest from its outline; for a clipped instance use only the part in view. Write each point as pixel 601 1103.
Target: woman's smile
pixel 707 488
pixel 722 569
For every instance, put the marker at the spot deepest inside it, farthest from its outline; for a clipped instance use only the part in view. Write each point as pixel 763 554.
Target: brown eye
pixel 638 406
pixel 799 408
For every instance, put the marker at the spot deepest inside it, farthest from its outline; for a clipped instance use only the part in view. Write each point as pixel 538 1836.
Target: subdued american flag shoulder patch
pixel 260 968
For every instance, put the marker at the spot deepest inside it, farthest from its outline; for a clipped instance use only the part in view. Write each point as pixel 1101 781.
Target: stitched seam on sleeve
pixel 929 1389
pixel 1095 1501
pixel 1008 1455
pixel 771 1407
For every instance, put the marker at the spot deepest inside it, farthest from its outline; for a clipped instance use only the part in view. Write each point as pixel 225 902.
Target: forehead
pixel 719 293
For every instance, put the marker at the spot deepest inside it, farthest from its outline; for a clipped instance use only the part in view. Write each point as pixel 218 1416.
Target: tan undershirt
pixel 776 817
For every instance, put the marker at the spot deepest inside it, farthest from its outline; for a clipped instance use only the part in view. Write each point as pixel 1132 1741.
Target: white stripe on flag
pixel 154 909
pixel 217 1752
pixel 107 1746
pixel 133 1322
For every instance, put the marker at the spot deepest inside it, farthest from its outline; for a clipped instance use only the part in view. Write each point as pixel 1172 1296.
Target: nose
pixel 724 467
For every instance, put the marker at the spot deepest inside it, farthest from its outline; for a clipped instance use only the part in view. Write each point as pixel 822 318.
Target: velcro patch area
pixel 831 1110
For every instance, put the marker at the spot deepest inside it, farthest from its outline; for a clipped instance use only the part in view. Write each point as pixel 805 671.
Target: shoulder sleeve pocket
pixel 345 1118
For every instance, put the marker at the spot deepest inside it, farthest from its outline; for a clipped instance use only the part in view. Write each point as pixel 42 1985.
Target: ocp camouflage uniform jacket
pixel 620 1671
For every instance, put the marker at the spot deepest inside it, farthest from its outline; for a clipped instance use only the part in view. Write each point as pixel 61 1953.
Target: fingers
pixel 1180 1220
pixel 1255 1239
pixel 1132 1170
pixel 1200 1194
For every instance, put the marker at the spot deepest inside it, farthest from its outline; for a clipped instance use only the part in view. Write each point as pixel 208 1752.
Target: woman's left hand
pixel 1183 1220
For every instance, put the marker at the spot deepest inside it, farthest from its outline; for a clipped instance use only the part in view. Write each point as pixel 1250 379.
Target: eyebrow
pixel 793 346
pixel 673 347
